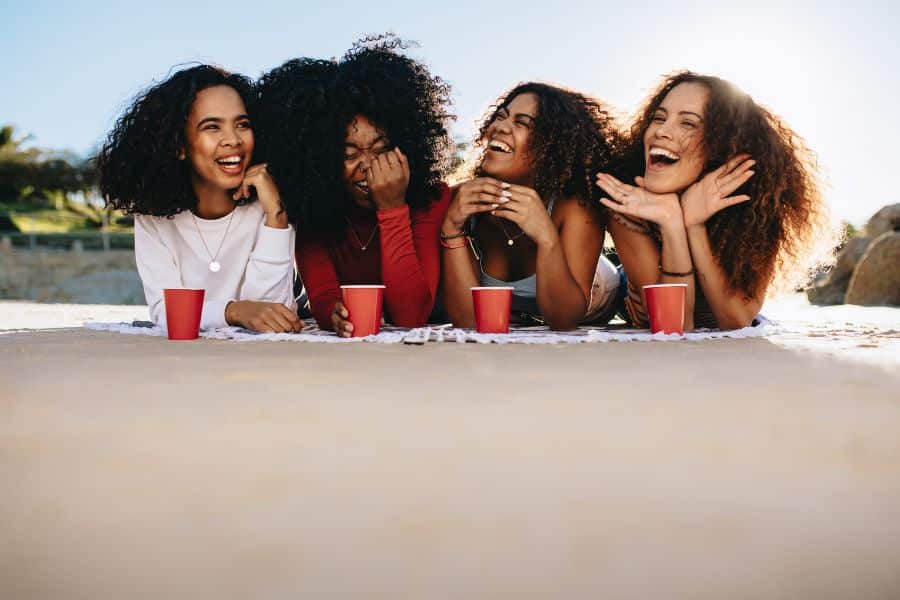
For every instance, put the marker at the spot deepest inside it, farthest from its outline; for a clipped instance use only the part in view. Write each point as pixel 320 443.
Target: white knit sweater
pixel 257 261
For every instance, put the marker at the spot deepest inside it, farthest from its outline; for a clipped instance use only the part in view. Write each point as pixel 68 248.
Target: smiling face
pixel 364 141
pixel 673 143
pixel 508 141
pixel 219 140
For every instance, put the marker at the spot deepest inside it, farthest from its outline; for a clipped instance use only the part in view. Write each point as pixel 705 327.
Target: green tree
pixel 33 174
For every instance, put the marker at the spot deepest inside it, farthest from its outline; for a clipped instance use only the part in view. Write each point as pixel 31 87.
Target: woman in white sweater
pixel 178 160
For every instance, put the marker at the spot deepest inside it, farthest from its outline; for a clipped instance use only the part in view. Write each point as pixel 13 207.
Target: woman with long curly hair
pixel 358 148
pixel 530 218
pixel 726 200
pixel 178 159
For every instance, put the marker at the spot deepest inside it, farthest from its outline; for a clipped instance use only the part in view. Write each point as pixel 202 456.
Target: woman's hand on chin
pixel 524 207
pixel 710 194
pixel 258 178
pixel 635 201
pixel 388 177
pixel 268 317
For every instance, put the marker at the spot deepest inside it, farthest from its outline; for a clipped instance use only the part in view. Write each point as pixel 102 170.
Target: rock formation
pixel 867 271
pixel 876 279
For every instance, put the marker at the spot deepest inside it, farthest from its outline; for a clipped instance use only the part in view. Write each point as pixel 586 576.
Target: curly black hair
pixel 574 136
pixel 784 232
pixel 138 165
pixel 306 105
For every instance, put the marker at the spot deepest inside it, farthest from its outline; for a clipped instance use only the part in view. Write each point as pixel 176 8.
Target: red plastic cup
pixel 665 306
pixel 364 303
pixel 184 308
pixel 492 306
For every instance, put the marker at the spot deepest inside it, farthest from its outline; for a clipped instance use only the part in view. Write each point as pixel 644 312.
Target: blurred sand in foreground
pixel 134 467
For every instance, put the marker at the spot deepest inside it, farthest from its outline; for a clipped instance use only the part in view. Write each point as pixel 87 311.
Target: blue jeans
pixel 621 294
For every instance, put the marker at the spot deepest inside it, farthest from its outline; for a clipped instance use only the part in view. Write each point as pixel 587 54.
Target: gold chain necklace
pixel 509 240
pixel 362 246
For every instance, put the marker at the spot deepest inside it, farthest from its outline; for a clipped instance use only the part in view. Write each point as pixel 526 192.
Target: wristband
pixel 453 236
pixel 674 273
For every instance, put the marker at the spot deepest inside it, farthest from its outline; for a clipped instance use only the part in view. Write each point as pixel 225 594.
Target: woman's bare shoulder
pixel 574 209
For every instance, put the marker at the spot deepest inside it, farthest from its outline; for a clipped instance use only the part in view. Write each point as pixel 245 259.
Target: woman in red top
pixel 358 149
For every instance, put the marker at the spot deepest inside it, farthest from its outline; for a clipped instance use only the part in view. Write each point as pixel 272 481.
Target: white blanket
pixel 445 333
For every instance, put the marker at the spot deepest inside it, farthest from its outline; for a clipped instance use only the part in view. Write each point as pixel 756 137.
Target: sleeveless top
pixel 524 296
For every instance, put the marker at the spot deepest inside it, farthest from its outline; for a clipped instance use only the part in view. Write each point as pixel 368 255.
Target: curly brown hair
pixel 574 136
pixel 784 232
pixel 139 168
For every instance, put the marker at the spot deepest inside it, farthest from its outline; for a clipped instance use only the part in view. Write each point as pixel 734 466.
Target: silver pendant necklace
pixel 214 265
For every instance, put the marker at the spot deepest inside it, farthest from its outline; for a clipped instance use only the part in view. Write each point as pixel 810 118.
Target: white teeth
pixel 500 146
pixel 363 184
pixel 231 160
pixel 663 152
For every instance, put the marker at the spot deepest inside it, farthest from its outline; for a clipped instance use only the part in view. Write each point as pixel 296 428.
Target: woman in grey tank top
pixel 528 217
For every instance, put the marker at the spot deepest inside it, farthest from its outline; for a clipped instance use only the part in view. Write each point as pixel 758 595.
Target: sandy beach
pixel 134 467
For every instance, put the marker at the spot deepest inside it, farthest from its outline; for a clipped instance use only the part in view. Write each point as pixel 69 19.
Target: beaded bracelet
pixel 453 236
pixel 675 274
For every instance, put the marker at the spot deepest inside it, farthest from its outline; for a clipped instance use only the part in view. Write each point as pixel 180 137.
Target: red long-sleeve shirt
pixel 405 257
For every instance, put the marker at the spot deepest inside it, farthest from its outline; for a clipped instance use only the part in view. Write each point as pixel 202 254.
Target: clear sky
pixel 831 69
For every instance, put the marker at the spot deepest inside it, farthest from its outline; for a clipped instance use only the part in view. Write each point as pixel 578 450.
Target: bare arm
pixel 460 266
pixel 639 253
pixel 459 276
pixel 565 265
pixel 732 308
